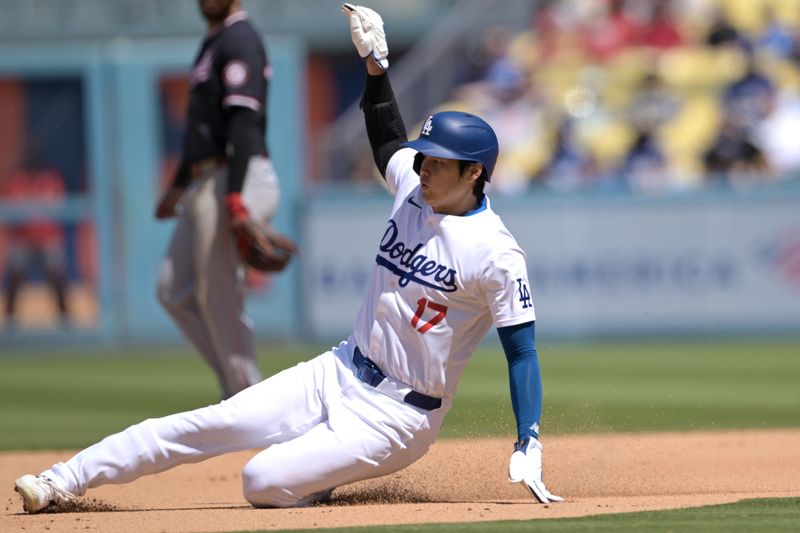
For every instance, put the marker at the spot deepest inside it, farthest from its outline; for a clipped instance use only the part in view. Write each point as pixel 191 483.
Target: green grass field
pixel 70 400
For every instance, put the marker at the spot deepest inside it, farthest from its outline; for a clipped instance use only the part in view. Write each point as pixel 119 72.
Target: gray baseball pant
pixel 201 281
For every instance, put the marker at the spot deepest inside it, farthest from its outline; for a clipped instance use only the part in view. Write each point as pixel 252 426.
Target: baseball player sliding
pixel 446 270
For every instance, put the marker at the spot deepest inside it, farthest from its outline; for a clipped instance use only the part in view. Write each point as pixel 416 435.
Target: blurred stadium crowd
pixel 646 96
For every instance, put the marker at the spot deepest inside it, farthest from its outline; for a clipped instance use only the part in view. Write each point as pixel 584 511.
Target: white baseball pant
pixel 320 425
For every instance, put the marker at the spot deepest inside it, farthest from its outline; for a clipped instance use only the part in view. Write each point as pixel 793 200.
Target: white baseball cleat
pixel 38 493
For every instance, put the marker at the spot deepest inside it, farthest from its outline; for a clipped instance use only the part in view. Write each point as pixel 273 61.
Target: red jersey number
pixel 422 305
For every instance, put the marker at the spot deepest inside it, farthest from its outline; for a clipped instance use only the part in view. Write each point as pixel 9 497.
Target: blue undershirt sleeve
pixel 525 379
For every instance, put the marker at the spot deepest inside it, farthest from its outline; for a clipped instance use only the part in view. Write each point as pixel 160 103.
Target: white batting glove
pixel 366 30
pixel 526 466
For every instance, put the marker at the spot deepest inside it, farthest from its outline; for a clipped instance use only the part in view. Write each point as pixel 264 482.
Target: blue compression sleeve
pixel 519 345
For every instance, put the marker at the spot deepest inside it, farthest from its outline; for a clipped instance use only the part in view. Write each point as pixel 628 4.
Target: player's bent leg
pixel 364 437
pixel 280 476
pixel 294 475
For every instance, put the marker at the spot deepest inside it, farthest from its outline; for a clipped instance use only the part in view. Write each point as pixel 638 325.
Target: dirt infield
pixel 458 481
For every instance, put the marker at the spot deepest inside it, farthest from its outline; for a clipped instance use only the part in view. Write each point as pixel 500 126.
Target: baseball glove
pixel 261 248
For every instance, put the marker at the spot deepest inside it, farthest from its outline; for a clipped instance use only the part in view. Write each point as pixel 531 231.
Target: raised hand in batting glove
pixel 258 247
pixel 366 30
pixel 526 467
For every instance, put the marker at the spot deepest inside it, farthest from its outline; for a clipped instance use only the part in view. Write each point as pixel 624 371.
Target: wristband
pixel 236 209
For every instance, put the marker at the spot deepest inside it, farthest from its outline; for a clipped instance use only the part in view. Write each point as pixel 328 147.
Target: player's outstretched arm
pixel 385 127
pixel 526 399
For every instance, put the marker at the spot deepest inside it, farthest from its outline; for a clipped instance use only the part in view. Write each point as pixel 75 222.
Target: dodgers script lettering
pixel 410 265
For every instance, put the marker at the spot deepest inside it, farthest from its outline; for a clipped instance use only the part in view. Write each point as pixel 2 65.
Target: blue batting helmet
pixel 456 135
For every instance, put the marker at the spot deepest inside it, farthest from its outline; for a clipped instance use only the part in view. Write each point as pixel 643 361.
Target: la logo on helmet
pixel 427 127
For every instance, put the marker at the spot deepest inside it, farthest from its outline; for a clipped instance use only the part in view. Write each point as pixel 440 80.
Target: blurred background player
pixel 39 240
pixel 225 182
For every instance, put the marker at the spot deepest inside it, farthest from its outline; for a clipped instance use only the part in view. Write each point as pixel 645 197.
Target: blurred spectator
pixel 481 56
pixel 507 81
pixel 554 23
pixel 39 240
pixel 722 32
pixel 614 30
pixel 733 158
pixel 749 99
pixel 564 58
pixel 508 100
pixel 548 19
pixel 777 38
pixel 652 104
pixel 794 54
pixel 778 134
pixel 644 168
pixel 660 30
pixel 571 166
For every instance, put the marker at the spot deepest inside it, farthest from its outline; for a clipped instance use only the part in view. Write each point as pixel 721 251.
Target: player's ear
pixel 474 171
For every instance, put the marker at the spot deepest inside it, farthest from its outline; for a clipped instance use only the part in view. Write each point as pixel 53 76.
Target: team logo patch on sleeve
pixel 235 74
pixel 523 293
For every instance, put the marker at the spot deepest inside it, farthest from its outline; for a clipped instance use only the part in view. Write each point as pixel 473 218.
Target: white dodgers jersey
pixel 440 282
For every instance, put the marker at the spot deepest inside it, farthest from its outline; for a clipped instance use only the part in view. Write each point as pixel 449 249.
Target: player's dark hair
pixel 477 188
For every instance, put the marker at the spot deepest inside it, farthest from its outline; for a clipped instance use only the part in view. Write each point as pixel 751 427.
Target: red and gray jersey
pixel 231 69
